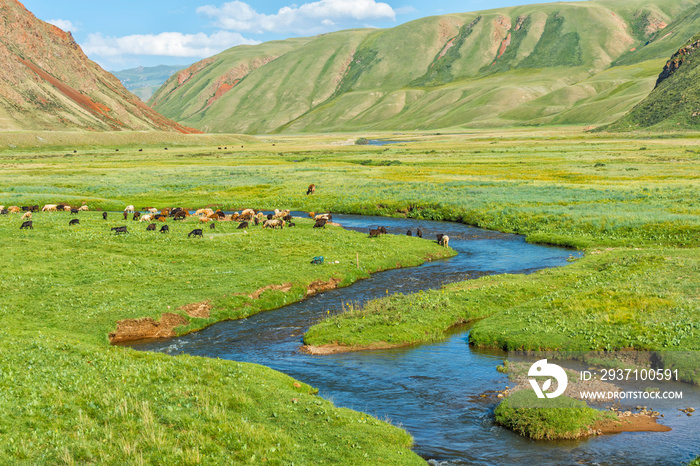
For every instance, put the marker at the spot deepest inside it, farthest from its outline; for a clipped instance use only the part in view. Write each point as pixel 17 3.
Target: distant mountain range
pixel 47 82
pixel 583 63
pixel 144 81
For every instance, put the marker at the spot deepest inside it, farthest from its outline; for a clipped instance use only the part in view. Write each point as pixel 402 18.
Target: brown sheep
pixel 13 209
pixel 311 189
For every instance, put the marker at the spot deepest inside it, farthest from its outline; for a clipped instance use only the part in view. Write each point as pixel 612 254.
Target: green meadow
pixel 630 202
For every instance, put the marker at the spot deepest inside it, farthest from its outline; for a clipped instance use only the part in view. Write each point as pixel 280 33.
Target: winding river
pixel 432 390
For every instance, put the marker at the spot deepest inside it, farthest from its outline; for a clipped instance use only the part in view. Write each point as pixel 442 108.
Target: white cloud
pixel 64 24
pixel 169 44
pixel 404 10
pixel 307 18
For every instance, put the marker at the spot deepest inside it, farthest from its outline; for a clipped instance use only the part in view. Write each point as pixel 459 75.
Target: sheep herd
pixel 277 220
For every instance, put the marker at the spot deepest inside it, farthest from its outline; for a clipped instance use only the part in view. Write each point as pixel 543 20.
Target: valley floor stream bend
pixel 432 390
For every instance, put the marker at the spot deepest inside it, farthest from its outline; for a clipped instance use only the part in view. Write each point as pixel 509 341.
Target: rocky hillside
pixel 675 101
pixel 47 82
pixel 557 63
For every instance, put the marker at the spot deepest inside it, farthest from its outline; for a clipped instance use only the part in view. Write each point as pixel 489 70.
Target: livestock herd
pixel 277 220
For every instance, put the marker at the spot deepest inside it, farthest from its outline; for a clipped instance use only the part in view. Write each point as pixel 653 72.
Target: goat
pixel 75 221
pixel 196 232
pixel 444 241
pixel 27 224
pixel 118 230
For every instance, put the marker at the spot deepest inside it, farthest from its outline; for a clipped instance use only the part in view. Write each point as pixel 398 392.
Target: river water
pixel 433 390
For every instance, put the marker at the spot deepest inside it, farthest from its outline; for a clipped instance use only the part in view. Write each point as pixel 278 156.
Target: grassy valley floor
pixel 631 202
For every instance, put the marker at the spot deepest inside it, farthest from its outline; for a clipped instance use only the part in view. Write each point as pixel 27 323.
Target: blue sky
pixel 128 33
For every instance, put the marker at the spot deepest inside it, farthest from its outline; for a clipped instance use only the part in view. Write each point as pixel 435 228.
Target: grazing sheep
pixel 27 215
pixel 247 214
pixel 419 233
pixel 291 224
pixel 146 218
pixel 256 220
pixel 235 216
pixel 118 230
pixel 136 216
pixel 181 215
pixel 74 211
pixel 220 213
pixel 382 230
pixel 212 226
pixel 281 214
pixel 34 208
pixel 320 223
pixel 164 229
pixel 269 216
pixel 213 216
pixel 75 221
pixel 13 209
pixel 27 224
pixel 104 215
pixel 153 210
pixel 61 207
pixel 312 214
pixel 151 227
pixel 242 225
pixel 67 208
pixel 204 219
pixel 126 214
pixel 50 208
pixel 327 217
pixel 444 241
pixel 374 233
pixel 311 189
pixel 83 208
pixel 274 223
pixel 130 209
pixel 4 212
pixel 408 233
pixel 439 236
pixel 161 218
pixel 2 207
pixel 196 232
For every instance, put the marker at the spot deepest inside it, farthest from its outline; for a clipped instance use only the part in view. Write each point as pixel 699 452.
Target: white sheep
pixel 130 209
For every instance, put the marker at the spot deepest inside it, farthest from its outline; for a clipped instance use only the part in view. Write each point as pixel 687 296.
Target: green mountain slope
pixel 558 63
pixel 675 101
